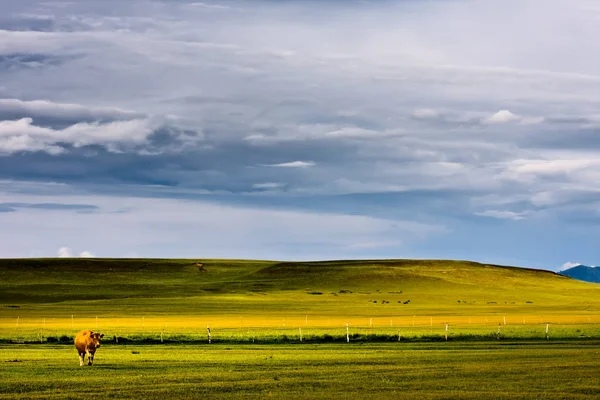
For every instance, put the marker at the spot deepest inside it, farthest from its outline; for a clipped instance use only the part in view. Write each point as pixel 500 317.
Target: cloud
pixel 502 117
pixel 503 214
pixel 568 265
pixel 9 108
pixel 64 252
pixel 425 113
pixel 406 107
pixel 24 135
pixel 505 116
pixel 267 185
pixel 556 166
pixel 209 6
pixel 354 132
pixel 292 164
pixel 52 206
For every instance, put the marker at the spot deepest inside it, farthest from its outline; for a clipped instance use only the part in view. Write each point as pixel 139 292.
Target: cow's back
pixel 82 340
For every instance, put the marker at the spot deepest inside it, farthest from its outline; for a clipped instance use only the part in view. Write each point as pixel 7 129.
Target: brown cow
pixel 87 342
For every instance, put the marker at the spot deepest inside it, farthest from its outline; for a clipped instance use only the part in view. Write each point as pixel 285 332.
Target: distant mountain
pixel 583 273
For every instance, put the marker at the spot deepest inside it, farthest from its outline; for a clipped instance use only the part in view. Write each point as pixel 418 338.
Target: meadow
pixel 506 370
pixel 416 328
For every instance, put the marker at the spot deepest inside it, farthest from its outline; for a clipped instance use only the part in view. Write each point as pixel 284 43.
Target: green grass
pixel 354 371
pixel 266 335
pixel 165 286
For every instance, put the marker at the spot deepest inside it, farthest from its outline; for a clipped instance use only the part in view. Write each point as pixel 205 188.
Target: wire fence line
pixel 214 329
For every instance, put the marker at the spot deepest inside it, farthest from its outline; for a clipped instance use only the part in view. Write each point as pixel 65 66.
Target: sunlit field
pixel 351 371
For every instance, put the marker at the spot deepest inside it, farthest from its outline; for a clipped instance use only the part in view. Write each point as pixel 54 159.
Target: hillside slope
pixel 379 287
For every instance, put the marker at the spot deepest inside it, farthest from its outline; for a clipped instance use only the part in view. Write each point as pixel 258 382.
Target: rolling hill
pixel 113 287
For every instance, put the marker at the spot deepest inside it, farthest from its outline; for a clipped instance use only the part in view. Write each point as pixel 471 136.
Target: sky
pixel 301 130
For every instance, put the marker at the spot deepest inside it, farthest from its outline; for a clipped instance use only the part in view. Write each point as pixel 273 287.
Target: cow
pixel 87 342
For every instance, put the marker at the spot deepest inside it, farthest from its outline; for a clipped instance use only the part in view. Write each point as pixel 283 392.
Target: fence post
pixel 446 331
pixel 208 330
pixel 300 329
pixel 547 337
pixel 498 335
pixel 347 334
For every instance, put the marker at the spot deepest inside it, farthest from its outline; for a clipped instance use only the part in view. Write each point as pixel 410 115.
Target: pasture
pixel 355 371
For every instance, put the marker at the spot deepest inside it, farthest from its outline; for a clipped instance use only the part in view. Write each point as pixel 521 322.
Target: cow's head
pixel 95 338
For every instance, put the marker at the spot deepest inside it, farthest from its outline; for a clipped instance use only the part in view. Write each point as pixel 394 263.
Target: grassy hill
pixel 356 288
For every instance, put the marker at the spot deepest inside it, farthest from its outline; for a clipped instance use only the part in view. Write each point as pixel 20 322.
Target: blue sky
pixel 301 130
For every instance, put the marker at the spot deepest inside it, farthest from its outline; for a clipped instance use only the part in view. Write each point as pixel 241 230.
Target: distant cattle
pixel 87 342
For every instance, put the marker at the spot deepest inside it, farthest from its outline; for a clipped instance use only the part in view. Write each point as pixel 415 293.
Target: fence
pixel 308 328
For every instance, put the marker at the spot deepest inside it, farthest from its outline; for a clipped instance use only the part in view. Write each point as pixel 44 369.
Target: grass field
pixel 426 371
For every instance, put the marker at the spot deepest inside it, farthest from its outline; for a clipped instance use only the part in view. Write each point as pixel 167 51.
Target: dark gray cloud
pixel 16 61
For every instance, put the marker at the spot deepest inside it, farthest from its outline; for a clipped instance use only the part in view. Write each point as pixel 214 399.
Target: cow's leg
pixel 89 357
pixel 81 359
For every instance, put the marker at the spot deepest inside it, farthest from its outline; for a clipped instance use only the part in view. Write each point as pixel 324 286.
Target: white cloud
pixel 502 117
pixel 425 113
pixel 556 166
pixel 568 265
pixel 64 252
pixel 211 6
pixel 353 132
pixel 63 110
pixel 267 185
pixel 24 135
pixel 292 164
pixel 503 214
